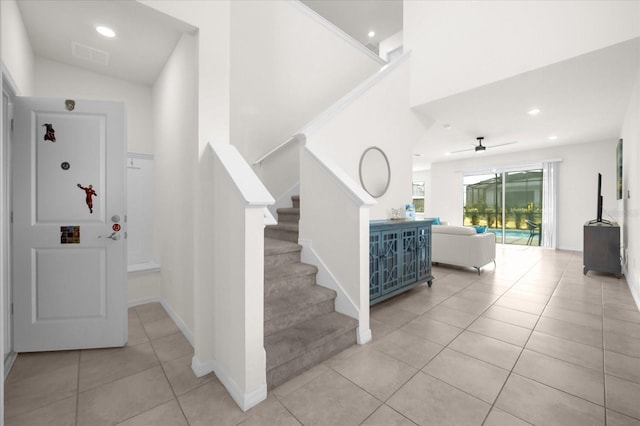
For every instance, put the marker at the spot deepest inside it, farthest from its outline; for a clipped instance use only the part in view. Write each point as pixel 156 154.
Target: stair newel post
pixel 229 317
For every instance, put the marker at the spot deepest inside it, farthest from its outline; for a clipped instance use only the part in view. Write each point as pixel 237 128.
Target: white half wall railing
pixel 229 296
pixel 282 160
pixel 334 234
pixel 334 109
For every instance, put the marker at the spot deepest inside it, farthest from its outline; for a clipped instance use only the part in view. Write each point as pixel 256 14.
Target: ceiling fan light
pixel 481 148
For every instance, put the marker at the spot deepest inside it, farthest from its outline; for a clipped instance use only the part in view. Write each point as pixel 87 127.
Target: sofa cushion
pixel 453 229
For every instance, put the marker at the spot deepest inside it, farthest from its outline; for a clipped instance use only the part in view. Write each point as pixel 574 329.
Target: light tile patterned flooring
pixel 532 341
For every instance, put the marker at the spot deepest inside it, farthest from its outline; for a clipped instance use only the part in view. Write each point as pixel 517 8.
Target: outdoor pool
pixel 515 236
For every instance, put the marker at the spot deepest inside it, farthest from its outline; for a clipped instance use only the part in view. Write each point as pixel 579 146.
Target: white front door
pixel 69 248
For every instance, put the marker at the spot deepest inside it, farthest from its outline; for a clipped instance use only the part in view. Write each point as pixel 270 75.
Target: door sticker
pixel 65 165
pixel 69 235
pixel 50 133
pixel 116 227
pixel 89 192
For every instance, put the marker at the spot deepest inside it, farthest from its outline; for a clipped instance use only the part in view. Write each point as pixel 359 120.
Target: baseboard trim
pixel 245 401
pixel 201 368
pixel 634 293
pixel 8 363
pixel 344 304
pixel 363 336
pixel 284 200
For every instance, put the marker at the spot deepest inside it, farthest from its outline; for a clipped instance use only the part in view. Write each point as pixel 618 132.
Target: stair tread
pixel 288 210
pixel 295 299
pixel 289 270
pixel 285 226
pixel 274 246
pixel 288 344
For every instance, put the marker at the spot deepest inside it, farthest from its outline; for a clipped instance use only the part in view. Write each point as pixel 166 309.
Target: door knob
pixel 114 236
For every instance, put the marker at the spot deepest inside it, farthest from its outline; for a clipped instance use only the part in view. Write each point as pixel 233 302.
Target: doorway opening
pixel 507 203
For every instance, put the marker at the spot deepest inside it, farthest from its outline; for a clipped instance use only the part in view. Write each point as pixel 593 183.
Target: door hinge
pixel 11 308
pixel 11 218
pixel 125 235
pixel 11 126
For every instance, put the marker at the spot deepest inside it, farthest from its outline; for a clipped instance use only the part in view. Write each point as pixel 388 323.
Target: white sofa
pixel 462 246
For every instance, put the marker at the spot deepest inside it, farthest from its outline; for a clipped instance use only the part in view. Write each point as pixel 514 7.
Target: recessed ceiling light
pixel 447 153
pixel 372 33
pixel 552 137
pixel 106 31
pixel 417 155
pixel 447 126
pixel 534 111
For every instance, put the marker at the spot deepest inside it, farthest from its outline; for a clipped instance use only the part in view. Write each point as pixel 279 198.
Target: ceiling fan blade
pixel 502 144
pixel 461 150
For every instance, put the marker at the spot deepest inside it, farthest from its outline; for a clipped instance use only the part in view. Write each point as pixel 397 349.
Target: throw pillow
pixel 480 229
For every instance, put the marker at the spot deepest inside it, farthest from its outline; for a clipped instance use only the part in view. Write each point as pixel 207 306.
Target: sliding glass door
pixel 508 203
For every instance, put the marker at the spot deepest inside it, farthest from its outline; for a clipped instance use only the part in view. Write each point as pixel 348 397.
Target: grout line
pixel 604 361
pixel 175 397
pixel 523 346
pixel 78 387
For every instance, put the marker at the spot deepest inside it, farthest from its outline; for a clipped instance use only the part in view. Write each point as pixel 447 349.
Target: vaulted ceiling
pixel 580 100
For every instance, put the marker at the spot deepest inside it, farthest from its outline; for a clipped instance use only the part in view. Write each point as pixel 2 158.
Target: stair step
pixel 288 277
pixel 280 252
pixel 298 305
pixel 283 231
pixel 295 200
pixel 288 215
pixel 298 348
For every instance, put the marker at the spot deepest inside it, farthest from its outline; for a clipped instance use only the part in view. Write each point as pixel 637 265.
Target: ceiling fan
pixel 480 147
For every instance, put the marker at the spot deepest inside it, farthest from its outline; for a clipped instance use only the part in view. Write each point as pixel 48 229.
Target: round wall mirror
pixel 375 172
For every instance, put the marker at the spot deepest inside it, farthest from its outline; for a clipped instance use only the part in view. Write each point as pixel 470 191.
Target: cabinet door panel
pixel 389 261
pixel 424 252
pixel 374 265
pixel 408 257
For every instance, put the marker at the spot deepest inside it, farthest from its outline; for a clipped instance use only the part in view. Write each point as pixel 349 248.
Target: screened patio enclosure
pixel 508 203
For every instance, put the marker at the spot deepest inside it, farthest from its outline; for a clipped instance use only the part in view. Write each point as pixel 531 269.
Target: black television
pixel 598 218
pixel 599 212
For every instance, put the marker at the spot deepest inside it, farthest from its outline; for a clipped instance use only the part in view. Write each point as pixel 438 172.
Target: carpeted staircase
pixel 301 327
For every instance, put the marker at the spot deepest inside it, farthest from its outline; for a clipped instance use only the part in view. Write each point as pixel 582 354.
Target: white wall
pixel 380 117
pixel 577 183
pixel 54 79
pixel 286 68
pixel 389 44
pixel 175 133
pixel 630 204
pixel 459 45
pixel 17 55
pixel 210 65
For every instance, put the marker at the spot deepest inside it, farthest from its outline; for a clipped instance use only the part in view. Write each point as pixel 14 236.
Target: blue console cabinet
pixel 399 256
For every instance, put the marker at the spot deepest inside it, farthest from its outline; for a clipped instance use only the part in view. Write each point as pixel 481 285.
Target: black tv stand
pixel 602 248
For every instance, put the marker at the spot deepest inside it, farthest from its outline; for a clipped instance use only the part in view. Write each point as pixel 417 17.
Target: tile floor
pixel 532 341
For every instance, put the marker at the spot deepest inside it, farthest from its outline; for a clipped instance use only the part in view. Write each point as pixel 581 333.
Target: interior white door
pixel 69 249
pixel 4 224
